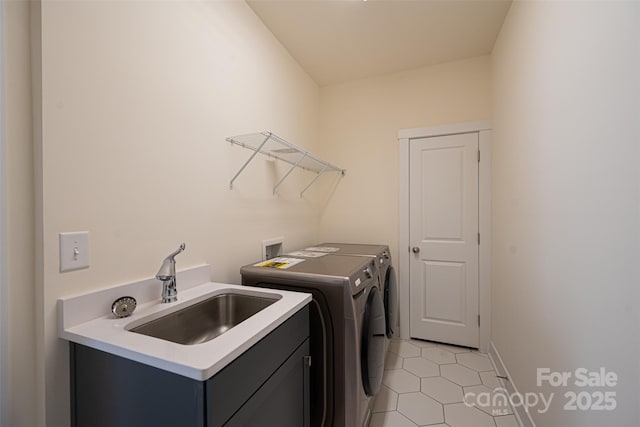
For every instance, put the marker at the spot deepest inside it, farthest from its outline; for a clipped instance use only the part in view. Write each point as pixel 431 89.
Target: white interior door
pixel 443 229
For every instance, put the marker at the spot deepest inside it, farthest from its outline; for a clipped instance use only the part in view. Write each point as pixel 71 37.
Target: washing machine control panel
pixel 365 276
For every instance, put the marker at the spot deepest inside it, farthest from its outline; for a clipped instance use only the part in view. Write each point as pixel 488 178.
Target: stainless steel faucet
pixel 167 274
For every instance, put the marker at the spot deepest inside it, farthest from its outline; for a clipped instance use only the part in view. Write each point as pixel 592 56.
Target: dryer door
pixel 391 301
pixel 373 340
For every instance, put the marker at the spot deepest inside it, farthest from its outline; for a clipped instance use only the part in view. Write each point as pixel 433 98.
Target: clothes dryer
pixel 387 274
pixel 347 330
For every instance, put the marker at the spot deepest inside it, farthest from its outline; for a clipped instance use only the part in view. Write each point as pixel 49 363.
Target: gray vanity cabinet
pixel 268 385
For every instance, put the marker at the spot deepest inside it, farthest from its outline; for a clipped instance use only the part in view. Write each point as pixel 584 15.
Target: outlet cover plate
pixel 271 248
pixel 74 251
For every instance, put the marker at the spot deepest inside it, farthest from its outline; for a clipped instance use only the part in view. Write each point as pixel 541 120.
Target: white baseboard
pixel 522 415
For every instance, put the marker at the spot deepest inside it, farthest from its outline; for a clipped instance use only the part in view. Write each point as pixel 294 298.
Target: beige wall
pixel 137 99
pixel 566 202
pixel 360 121
pixel 21 385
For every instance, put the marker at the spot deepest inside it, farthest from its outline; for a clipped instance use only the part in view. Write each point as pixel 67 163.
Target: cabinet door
pixel 111 391
pixel 283 400
pixel 233 386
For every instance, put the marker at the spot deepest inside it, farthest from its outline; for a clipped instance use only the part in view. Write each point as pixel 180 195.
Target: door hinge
pixel 478 156
pixel 478 320
pixel 307 360
pixel 478 238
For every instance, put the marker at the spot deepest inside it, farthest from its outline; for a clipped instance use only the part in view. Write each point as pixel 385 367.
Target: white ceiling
pixel 340 40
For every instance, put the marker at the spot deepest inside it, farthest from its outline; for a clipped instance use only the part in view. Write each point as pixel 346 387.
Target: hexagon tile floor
pixel 425 384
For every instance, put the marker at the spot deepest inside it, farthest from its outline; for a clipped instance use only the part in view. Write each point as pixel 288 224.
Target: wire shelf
pixel 273 146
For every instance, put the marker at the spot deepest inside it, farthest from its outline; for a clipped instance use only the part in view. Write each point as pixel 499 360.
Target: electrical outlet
pixel 272 248
pixel 74 251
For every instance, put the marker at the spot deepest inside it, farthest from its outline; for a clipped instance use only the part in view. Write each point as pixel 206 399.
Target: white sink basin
pixel 84 320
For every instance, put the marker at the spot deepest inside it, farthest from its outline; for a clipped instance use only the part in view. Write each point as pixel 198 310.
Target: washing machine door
pixel 391 301
pixel 373 340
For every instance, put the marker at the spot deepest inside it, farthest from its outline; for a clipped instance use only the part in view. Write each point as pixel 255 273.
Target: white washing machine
pixel 347 331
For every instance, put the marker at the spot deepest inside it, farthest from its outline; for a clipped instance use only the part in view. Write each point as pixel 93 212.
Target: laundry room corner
pixel 361 119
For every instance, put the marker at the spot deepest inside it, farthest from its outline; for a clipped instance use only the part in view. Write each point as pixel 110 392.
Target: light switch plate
pixel 74 251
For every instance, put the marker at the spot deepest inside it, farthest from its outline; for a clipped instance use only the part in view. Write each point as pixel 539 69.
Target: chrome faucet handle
pixel 177 251
pixel 168 268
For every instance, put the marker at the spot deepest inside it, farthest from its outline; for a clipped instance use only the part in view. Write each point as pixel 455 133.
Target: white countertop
pixel 198 361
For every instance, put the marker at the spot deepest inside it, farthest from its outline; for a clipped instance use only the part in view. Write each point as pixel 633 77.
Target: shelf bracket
pixel 326 166
pixel 287 174
pixel 248 161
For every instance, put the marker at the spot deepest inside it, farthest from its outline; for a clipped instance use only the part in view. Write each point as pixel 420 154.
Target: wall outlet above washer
pixel 272 248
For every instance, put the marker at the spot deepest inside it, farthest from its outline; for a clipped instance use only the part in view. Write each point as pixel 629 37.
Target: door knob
pixel 416 250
